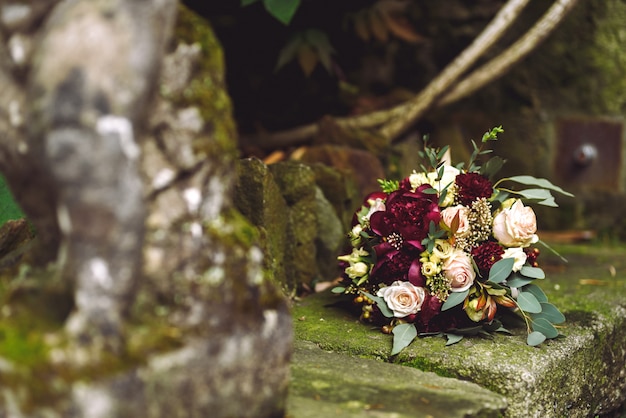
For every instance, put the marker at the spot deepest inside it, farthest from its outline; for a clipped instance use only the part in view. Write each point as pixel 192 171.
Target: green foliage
pixel 454 299
pixel 389 186
pixel 282 10
pixel 501 270
pixel 403 335
pixel 380 302
pixel 8 207
pixel 309 47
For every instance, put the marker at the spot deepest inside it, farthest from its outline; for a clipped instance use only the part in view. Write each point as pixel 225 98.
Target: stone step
pixel 328 384
pixel 582 374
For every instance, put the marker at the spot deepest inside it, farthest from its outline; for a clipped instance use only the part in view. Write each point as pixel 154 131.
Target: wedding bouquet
pixel 447 248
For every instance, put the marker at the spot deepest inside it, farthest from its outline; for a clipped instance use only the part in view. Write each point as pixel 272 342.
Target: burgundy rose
pixel 486 255
pixel 406 219
pixel 471 186
pixel 398 265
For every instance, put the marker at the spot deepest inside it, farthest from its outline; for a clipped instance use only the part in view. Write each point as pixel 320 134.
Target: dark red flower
pixel 406 219
pixel 485 255
pixel 471 186
pixel 398 265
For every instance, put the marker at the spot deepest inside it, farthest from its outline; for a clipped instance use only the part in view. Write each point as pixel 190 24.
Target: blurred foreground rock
pixel 158 305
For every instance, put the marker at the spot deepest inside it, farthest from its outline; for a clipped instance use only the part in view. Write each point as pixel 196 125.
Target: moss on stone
pixel 207 90
pixel 577 375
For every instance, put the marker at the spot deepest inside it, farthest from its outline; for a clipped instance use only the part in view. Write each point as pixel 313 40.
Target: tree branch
pixel 406 114
pixel 515 53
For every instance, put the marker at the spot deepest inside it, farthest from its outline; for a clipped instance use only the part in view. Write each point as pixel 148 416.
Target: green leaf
pixel 535 338
pixel 430 191
pixel 453 338
pixel 545 327
pixel 403 335
pixel 248 2
pixel 9 209
pixel 288 52
pixel 454 299
pixel 283 10
pixel 382 305
pixel 536 290
pixel 518 281
pixel 528 302
pixel 492 135
pixel 501 270
pixel 550 313
pixel 338 289
pixel 535 194
pixel 549 202
pixel 533 181
pixel 532 272
pixel 491 167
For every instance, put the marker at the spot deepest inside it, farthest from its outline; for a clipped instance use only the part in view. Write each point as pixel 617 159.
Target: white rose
pixel 516 226
pixel 448 177
pixel 448 215
pixel 403 298
pixel 459 271
pixel 518 254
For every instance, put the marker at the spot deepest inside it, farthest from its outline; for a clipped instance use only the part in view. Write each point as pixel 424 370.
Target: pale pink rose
pixel 375 206
pixel 459 271
pixel 448 215
pixel 516 226
pixel 403 298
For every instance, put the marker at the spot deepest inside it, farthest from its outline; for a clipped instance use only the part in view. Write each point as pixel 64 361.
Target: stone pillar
pixel 170 312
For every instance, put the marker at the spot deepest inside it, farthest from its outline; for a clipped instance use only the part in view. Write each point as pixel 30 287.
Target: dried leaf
pixel 401 28
pixel 379 29
pixel 307 58
pixel 361 27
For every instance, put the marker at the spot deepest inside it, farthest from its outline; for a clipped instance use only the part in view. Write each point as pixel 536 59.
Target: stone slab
pixel 328 384
pixel 582 374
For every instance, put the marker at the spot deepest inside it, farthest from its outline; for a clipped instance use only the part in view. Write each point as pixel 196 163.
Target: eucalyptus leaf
pixel 403 335
pixel 550 313
pixel 338 289
pixel 536 290
pixel 528 302
pixel 535 194
pixel 492 166
pixel 533 181
pixel 545 327
pixel 532 272
pixel 453 338
pixel 454 299
pixel 382 305
pixel 535 338
pixel 518 281
pixel 550 202
pixel 501 270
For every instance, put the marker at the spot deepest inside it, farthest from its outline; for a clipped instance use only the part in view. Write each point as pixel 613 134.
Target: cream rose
pixel 459 271
pixel 448 215
pixel 448 177
pixel 516 226
pixel 403 298
pixel 518 254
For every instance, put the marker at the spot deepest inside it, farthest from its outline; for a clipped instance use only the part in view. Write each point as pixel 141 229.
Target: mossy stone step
pixel 327 384
pixel 582 374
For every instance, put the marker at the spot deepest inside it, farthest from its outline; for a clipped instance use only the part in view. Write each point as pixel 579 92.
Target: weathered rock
pixel 192 328
pixel 258 197
pixel 332 384
pixel 579 375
